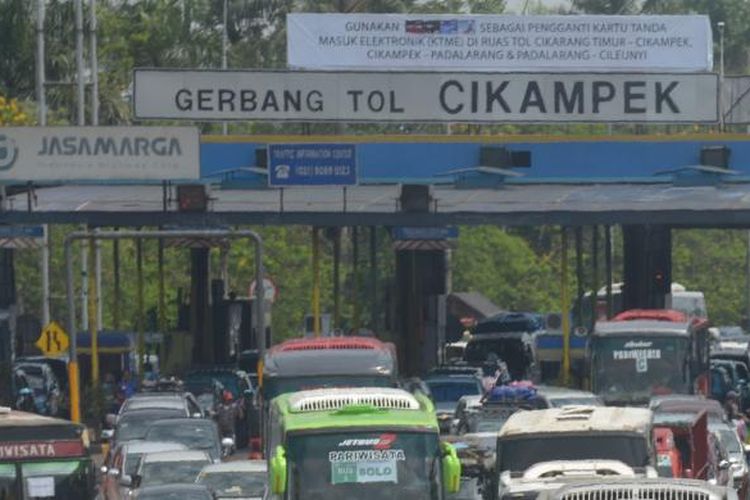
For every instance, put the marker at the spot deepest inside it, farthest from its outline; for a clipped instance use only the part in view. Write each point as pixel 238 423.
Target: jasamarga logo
pixel 109 146
pixel 8 152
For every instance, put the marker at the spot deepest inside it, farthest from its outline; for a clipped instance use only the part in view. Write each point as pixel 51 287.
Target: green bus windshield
pixel 372 465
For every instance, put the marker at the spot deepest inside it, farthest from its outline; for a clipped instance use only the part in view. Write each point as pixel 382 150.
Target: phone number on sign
pixel 324 170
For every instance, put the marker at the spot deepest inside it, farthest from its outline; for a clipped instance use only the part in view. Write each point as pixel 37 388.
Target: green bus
pixel 342 443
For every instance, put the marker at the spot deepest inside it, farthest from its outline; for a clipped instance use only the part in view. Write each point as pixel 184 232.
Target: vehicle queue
pixel 329 418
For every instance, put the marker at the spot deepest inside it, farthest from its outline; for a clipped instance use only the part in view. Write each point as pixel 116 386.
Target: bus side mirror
pixel 277 472
pixel 451 469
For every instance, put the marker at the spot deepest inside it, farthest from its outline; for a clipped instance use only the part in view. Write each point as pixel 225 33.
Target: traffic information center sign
pixel 499 42
pixel 312 165
pixel 426 97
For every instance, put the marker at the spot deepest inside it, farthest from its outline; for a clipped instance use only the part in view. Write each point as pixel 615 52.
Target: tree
pixel 505 269
pixel 13 113
pixel 618 7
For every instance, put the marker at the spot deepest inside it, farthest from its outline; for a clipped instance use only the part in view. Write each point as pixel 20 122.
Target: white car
pixel 238 479
pixel 123 463
pixel 170 467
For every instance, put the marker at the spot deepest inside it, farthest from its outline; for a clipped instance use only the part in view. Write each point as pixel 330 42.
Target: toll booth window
pixel 8 482
pixel 64 480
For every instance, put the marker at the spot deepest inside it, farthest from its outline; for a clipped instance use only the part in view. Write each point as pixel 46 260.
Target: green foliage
pixel 713 261
pixel 606 6
pixel 504 268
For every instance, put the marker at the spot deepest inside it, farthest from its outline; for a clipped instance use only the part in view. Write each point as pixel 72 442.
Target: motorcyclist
pixel 25 400
pixel 494 372
pixel 228 411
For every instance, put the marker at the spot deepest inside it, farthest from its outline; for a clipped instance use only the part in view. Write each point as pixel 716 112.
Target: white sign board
pixel 499 42
pixel 40 487
pixel 99 153
pixel 425 97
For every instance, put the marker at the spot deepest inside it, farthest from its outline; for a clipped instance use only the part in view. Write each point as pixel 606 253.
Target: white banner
pixel 99 153
pixel 425 97
pixel 499 42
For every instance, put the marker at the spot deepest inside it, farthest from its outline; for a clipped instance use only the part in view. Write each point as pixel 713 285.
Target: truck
pixel 537 449
pixel 645 353
pixel 375 443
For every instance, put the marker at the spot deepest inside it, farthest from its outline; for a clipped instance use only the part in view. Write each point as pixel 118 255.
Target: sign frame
pixel 338 78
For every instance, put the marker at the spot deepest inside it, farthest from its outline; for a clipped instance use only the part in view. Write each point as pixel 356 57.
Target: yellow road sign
pixel 53 341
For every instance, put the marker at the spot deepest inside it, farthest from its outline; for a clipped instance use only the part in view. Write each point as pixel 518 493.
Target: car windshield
pixel 730 441
pixel 519 453
pixel 35 382
pixel 155 473
pixel 196 435
pixel 273 386
pixel 179 494
pixel 134 425
pixel 235 484
pixel 632 369
pixel 199 383
pixel 444 391
pixel 131 463
pixel 693 305
pixel 372 465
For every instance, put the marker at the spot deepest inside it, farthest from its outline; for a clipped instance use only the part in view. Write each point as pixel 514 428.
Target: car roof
pixel 155 413
pixel 686 404
pixel 158 394
pixel 236 466
pixel 152 446
pixel 178 421
pixel 578 419
pixel 146 403
pixel 176 456
pixel 459 377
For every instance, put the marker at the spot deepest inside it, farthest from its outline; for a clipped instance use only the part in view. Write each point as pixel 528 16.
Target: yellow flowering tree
pixel 12 113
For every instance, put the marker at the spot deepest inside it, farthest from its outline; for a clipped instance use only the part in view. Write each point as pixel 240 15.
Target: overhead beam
pixel 674 218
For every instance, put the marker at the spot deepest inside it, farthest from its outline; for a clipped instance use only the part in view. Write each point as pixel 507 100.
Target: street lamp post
pixel 722 124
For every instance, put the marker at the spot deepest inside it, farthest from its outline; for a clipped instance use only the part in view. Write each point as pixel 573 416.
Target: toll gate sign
pixel 312 165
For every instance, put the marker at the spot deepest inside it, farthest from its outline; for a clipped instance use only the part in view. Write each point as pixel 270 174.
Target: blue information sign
pixel 312 165
pixel 424 233
pixel 21 232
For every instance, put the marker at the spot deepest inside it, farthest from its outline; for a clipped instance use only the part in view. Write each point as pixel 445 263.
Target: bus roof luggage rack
pixel 337 399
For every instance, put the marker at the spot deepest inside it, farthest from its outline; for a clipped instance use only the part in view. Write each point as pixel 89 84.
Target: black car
pixel 196 434
pixel 135 423
pixel 214 381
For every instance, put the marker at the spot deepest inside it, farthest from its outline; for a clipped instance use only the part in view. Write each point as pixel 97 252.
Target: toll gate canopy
pixel 699 180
